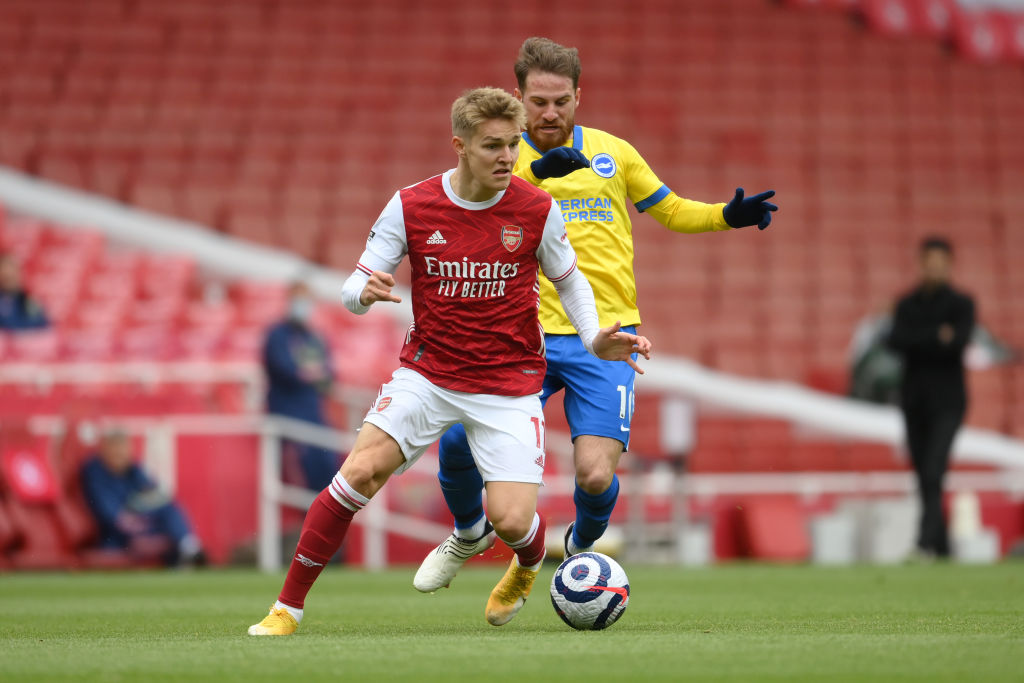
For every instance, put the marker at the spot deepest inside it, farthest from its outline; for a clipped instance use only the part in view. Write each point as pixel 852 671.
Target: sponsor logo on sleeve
pixel 383 403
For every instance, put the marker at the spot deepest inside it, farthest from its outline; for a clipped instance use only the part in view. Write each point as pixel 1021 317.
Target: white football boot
pixel 442 564
pixel 569 551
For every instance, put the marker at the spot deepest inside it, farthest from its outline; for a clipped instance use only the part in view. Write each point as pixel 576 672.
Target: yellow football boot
pixel 509 596
pixel 278 623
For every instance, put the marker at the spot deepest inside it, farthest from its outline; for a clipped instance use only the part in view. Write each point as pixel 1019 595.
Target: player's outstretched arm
pixel 756 210
pixel 611 343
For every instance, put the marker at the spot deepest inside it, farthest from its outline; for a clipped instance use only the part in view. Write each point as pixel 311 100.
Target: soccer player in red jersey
pixel 475 237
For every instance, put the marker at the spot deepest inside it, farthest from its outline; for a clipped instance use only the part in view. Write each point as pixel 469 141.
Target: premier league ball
pixel 590 591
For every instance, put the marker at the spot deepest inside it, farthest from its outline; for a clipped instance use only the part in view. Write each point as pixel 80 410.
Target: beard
pixel 549 140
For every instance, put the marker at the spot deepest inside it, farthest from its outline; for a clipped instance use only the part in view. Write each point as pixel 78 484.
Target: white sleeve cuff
pixel 353 289
pixel 578 301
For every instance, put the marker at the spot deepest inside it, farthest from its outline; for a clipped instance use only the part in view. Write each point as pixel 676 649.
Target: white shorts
pixel 506 433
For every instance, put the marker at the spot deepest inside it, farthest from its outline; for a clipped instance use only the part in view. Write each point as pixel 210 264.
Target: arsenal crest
pixel 383 403
pixel 511 237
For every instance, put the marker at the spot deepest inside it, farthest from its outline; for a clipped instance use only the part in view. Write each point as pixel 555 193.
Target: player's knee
pixel 362 475
pixel 595 480
pixel 511 525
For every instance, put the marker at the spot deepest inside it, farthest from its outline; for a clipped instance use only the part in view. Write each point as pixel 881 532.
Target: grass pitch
pixel 733 623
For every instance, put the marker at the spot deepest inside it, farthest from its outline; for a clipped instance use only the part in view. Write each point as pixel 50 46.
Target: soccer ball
pixel 590 591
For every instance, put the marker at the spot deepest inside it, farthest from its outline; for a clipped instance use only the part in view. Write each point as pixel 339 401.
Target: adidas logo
pixel 539 462
pixel 437 238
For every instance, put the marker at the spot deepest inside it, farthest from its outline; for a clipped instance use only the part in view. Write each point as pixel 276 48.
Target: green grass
pixel 734 623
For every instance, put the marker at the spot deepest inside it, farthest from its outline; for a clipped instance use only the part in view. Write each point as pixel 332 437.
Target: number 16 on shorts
pixel 627 402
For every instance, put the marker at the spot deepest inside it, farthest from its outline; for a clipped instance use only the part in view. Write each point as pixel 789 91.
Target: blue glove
pixel 740 212
pixel 559 162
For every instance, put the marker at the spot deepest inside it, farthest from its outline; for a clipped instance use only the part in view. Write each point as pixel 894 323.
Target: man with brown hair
pixel 598 394
pixel 476 237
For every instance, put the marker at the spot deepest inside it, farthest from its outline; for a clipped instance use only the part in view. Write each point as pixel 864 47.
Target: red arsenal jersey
pixel 474 281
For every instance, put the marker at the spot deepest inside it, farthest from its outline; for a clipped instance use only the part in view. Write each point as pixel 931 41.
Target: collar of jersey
pixel 446 183
pixel 577 140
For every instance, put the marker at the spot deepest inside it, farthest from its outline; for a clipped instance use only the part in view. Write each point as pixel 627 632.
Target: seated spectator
pixel 18 311
pixel 131 512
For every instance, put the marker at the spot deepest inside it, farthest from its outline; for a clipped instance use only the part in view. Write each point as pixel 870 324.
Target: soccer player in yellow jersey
pixel 598 394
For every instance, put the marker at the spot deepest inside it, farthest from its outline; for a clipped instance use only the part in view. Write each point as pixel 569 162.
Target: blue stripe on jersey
pixel 526 138
pixel 577 141
pixel 660 194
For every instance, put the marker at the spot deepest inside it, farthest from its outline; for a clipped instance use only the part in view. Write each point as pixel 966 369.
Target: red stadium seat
pixel 30 491
pixel 816 456
pixel 34 346
pixel 774 528
pixel 10 536
pixel 981 36
pixel 933 18
pixel 868 457
pixel 1011 26
pixel 890 17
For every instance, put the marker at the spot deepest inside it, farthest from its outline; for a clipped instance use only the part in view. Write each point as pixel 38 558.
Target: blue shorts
pixel 598 393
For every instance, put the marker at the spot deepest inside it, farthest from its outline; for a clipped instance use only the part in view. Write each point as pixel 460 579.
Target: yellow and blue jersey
pixel 593 204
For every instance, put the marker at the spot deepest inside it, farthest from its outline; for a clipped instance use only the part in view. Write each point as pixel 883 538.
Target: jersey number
pixel 627 401
pixel 538 425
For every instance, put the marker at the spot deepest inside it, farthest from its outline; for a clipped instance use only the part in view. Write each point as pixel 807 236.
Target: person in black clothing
pixel 931 329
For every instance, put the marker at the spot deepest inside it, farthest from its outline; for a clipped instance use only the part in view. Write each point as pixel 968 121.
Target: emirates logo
pixel 383 403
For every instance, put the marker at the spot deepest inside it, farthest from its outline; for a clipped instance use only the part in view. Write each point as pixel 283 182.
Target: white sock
pixel 189 546
pixel 294 611
pixel 534 568
pixel 575 549
pixel 474 532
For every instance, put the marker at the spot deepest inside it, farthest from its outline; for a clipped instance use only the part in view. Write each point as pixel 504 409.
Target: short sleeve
pixel 644 188
pixel 556 256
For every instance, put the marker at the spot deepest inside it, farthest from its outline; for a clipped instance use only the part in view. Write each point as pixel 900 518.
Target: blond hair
pixel 542 54
pixel 482 104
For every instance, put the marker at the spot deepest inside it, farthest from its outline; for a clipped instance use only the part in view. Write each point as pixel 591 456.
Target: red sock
pixel 323 531
pixel 530 549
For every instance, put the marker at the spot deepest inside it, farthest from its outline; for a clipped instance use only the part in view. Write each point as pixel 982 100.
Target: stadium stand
pixel 289 123
pixel 252 118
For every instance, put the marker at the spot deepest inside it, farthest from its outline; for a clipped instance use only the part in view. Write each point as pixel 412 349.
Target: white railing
pixel 826 413
pixel 377 520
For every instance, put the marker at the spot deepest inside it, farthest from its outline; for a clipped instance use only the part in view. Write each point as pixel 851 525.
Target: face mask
pixel 301 309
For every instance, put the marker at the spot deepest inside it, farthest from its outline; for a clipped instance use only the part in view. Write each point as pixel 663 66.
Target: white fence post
pixel 270 501
pixel 375 532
